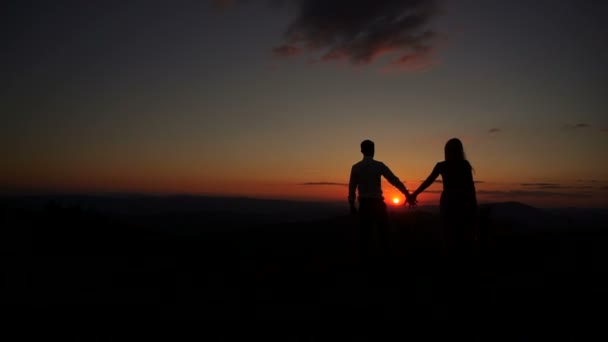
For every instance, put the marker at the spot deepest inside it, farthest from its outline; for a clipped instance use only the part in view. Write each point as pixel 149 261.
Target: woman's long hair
pixel 454 150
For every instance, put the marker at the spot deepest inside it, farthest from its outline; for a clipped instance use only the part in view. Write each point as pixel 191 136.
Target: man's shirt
pixel 366 177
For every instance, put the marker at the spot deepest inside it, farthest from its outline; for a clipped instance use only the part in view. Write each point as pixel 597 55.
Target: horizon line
pixel 247 197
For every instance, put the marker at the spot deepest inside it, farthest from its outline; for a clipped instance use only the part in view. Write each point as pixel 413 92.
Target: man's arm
pixel 394 180
pixel 352 189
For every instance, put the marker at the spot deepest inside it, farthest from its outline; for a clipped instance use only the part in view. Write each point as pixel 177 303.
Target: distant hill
pixel 194 210
pixel 584 217
pixel 523 215
pixel 200 211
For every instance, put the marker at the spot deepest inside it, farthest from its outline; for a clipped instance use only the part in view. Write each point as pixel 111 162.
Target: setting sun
pixel 396 200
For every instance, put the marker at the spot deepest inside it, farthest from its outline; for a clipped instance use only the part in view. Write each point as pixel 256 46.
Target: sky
pixel 271 99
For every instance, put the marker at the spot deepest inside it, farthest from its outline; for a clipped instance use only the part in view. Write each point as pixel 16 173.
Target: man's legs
pixel 373 211
pixel 365 227
pixel 381 218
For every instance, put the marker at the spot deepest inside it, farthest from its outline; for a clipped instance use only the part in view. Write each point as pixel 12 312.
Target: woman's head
pixel 454 150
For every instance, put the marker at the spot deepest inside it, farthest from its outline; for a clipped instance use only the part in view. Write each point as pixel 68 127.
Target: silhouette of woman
pixel 458 203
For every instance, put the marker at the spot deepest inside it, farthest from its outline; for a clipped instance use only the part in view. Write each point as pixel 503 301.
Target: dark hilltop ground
pixel 109 259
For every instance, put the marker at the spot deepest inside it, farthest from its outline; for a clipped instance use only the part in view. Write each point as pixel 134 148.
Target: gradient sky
pixel 272 98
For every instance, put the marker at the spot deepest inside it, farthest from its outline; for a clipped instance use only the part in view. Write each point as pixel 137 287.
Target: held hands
pixel 410 199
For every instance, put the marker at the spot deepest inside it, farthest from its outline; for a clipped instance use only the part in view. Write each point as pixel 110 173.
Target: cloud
pixel 360 31
pixel 593 184
pixel 532 193
pixel 287 51
pixel 323 184
pixel 570 127
pixel 605 130
pixel 494 130
pixel 544 186
pixel 421 61
pixel 439 181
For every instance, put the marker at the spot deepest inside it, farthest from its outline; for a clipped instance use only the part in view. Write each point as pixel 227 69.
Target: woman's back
pixel 458 196
pixel 458 204
pixel 456 175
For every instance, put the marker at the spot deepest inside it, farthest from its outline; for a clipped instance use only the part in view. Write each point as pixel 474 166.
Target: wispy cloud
pixel 532 193
pixel 439 181
pixel 494 130
pixel 287 51
pixel 323 184
pixel 544 185
pixel 569 127
pixel 590 181
pixel 592 184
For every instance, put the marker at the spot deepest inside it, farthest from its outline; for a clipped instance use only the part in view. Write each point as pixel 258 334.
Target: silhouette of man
pixel 365 177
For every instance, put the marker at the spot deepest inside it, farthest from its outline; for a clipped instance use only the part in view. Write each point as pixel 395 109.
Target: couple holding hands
pixel 458 203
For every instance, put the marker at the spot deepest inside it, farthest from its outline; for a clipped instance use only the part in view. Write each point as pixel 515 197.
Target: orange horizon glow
pixel 573 194
pixel 487 193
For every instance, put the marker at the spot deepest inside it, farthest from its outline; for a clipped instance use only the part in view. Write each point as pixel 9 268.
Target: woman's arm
pixel 430 179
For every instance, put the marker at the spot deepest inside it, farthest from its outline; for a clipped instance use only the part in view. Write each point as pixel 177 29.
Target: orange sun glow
pixel 396 200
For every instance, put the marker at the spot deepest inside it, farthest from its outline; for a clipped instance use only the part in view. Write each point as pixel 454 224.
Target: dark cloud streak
pixel 439 181
pixel 532 193
pixel 287 51
pixel 570 127
pixel 323 184
pixel 544 186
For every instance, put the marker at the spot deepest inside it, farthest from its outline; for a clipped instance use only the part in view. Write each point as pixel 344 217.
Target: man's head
pixel 367 148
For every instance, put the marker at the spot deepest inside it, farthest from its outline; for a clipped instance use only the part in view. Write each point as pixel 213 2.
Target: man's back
pixel 366 176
